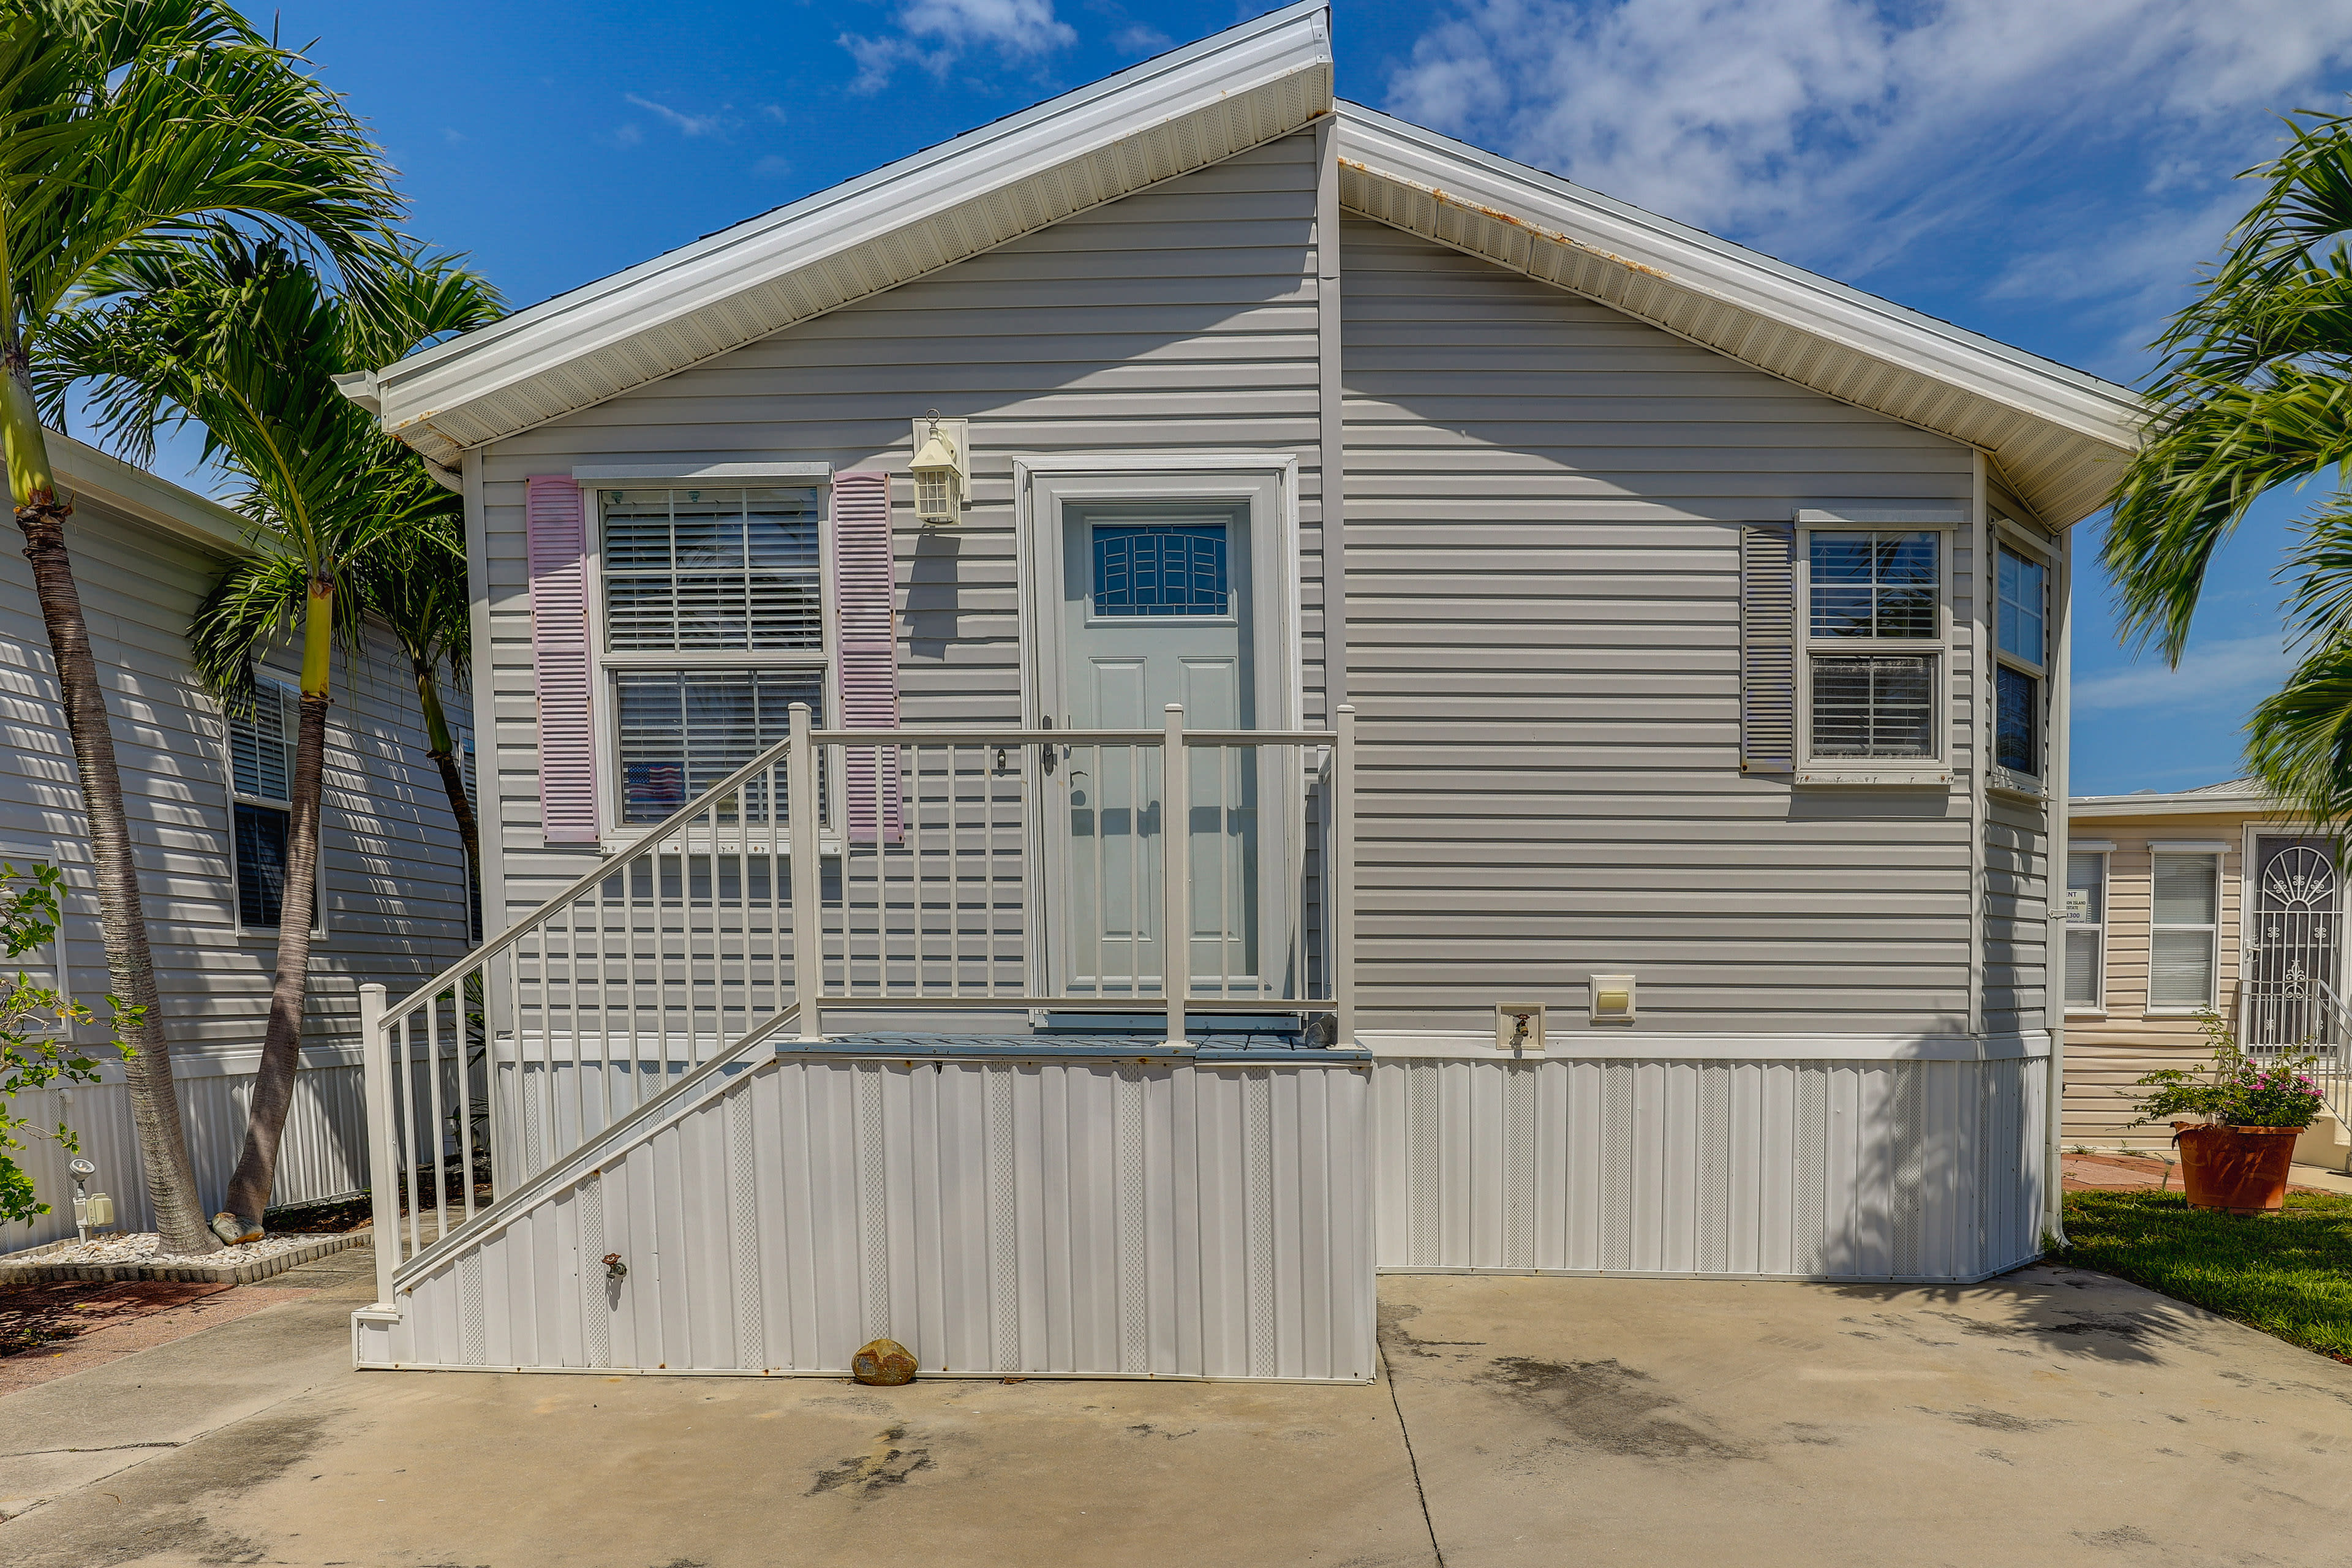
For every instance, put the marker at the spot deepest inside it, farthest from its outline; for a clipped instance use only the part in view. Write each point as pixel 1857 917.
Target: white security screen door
pixel 2294 941
pixel 1156 599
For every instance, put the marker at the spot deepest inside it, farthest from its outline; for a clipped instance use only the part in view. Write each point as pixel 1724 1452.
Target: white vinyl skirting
pixel 322 1155
pixel 1081 1215
pixel 1918 1170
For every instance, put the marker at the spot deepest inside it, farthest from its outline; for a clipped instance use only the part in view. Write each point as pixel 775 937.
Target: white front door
pixel 1155 601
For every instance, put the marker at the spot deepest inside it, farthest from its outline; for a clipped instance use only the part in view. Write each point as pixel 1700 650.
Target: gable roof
pixel 1182 110
pixel 2245 795
pixel 2057 436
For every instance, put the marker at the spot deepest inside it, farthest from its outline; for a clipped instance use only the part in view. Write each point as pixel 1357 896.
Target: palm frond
pixel 2299 741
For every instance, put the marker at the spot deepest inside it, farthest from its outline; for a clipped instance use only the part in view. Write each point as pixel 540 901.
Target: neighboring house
pixel 208 809
pixel 2211 902
pixel 1680 900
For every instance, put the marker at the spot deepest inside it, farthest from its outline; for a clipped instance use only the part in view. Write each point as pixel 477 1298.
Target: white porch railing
pixel 944 873
pixel 2302 1016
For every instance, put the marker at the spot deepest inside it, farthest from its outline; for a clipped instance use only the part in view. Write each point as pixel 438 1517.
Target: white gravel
pixel 141 1246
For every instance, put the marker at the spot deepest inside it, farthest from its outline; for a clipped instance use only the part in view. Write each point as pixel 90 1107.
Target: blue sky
pixel 2050 173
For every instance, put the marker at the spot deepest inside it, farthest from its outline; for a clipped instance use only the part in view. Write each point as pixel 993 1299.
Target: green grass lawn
pixel 2289 1274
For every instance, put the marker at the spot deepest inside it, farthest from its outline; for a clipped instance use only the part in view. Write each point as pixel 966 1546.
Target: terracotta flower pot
pixel 2242 1169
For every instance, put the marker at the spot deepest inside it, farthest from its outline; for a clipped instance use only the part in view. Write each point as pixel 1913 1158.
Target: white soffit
pixel 1183 111
pixel 2059 436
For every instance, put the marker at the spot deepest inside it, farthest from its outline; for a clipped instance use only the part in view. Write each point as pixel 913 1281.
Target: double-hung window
pixel 714 625
pixel 1874 650
pixel 2087 930
pixel 2184 928
pixel 261 791
pixel 2020 643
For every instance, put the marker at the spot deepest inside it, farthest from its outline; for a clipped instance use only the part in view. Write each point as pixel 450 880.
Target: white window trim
pixel 237 797
pixel 603 712
pixel 1868 770
pixel 2105 855
pixel 2218 853
pixel 2007 535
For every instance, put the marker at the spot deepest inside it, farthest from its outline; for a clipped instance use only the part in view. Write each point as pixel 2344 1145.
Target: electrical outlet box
pixel 1612 999
pixel 1519 1028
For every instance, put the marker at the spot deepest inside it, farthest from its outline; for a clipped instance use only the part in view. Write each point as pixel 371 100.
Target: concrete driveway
pixel 2050 1417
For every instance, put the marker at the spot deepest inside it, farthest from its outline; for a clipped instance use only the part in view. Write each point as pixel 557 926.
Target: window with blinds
pixel 720 570
pixel 2086 929
pixel 1873 625
pixel 2184 928
pixel 261 742
pixel 683 731
pixel 2021 638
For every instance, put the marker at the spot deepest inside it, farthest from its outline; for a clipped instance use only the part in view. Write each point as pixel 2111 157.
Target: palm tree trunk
pixel 298 913
pixel 441 745
pixel 169 1176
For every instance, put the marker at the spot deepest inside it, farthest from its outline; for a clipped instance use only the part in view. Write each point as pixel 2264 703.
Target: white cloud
pixel 2232 670
pixel 685 124
pixel 935 34
pixel 1852 130
pixel 1140 39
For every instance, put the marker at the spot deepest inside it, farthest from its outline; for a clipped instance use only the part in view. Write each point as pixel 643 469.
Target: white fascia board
pixel 804 234
pixel 2096 808
pixel 155 501
pixel 1742 278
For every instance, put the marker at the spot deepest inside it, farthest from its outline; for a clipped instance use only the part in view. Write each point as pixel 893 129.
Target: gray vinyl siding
pixel 1543 502
pixel 394 872
pixel 1182 317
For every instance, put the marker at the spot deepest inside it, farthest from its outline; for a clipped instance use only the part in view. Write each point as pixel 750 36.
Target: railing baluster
pixel 1176 910
pixel 440 1157
pixel 800 811
pixel 1339 878
pixel 384 1202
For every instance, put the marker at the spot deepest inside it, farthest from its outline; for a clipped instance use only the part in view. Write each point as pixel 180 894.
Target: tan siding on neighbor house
pixel 2106 1053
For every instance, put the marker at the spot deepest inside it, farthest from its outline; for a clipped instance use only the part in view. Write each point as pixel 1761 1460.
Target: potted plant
pixel 2252 1109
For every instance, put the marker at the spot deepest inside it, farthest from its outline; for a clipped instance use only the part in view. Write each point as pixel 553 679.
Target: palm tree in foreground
pixel 416 587
pixel 243 338
pixel 124 121
pixel 2255 392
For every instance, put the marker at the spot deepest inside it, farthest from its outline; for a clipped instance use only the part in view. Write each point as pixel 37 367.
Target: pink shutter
pixel 556 526
pixel 865 596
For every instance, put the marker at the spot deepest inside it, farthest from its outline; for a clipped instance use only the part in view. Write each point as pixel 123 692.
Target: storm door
pixel 2294 947
pixel 1154 600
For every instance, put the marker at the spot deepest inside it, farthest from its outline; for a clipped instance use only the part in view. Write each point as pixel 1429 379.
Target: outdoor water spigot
pixel 1518 1030
pixel 614 1268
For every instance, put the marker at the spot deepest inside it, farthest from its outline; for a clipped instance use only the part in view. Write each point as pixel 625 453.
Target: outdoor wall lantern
pixel 940 470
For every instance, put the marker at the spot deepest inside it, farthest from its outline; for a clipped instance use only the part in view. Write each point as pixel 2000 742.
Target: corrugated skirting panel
pixel 1084 1218
pixel 1840 1170
pixel 322 1154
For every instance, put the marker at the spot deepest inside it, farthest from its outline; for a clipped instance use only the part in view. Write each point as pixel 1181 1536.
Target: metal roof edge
pixel 802 234
pixel 148 498
pixel 2182 802
pixel 1742 278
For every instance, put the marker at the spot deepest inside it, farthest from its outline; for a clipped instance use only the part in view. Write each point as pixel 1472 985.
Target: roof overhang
pixel 1181 111
pixel 2059 436
pixel 85 473
pixel 2184 803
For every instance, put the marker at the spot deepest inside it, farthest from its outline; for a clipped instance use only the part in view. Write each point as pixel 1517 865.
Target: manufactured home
pixel 2186 908
pixel 1102 733
pixel 207 794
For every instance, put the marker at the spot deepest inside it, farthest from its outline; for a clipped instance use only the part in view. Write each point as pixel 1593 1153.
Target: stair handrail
pixel 492 947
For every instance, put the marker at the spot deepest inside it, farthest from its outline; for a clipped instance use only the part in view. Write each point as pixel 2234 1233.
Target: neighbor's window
pixel 714 625
pixel 2184 926
pixel 1873 633
pixel 2022 636
pixel 2086 929
pixel 261 783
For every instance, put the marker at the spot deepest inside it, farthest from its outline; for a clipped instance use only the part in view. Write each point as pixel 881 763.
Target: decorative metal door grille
pixel 2294 946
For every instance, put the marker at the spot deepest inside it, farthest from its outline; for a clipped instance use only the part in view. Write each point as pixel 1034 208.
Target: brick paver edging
pixel 26 1267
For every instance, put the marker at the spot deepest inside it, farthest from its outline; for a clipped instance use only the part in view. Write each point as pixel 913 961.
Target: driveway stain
pixel 1394 1334
pixel 1607 1405
pixel 888 1463
pixel 1992 1420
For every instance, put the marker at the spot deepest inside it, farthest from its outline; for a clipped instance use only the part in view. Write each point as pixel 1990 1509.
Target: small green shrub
pixel 32 1058
pixel 2238 1089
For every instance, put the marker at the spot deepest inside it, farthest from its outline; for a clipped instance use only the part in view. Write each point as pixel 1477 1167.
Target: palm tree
pixel 125 120
pixel 2255 392
pixel 415 586
pixel 242 337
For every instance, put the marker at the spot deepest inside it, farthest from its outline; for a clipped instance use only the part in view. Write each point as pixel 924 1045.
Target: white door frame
pixel 1039 485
